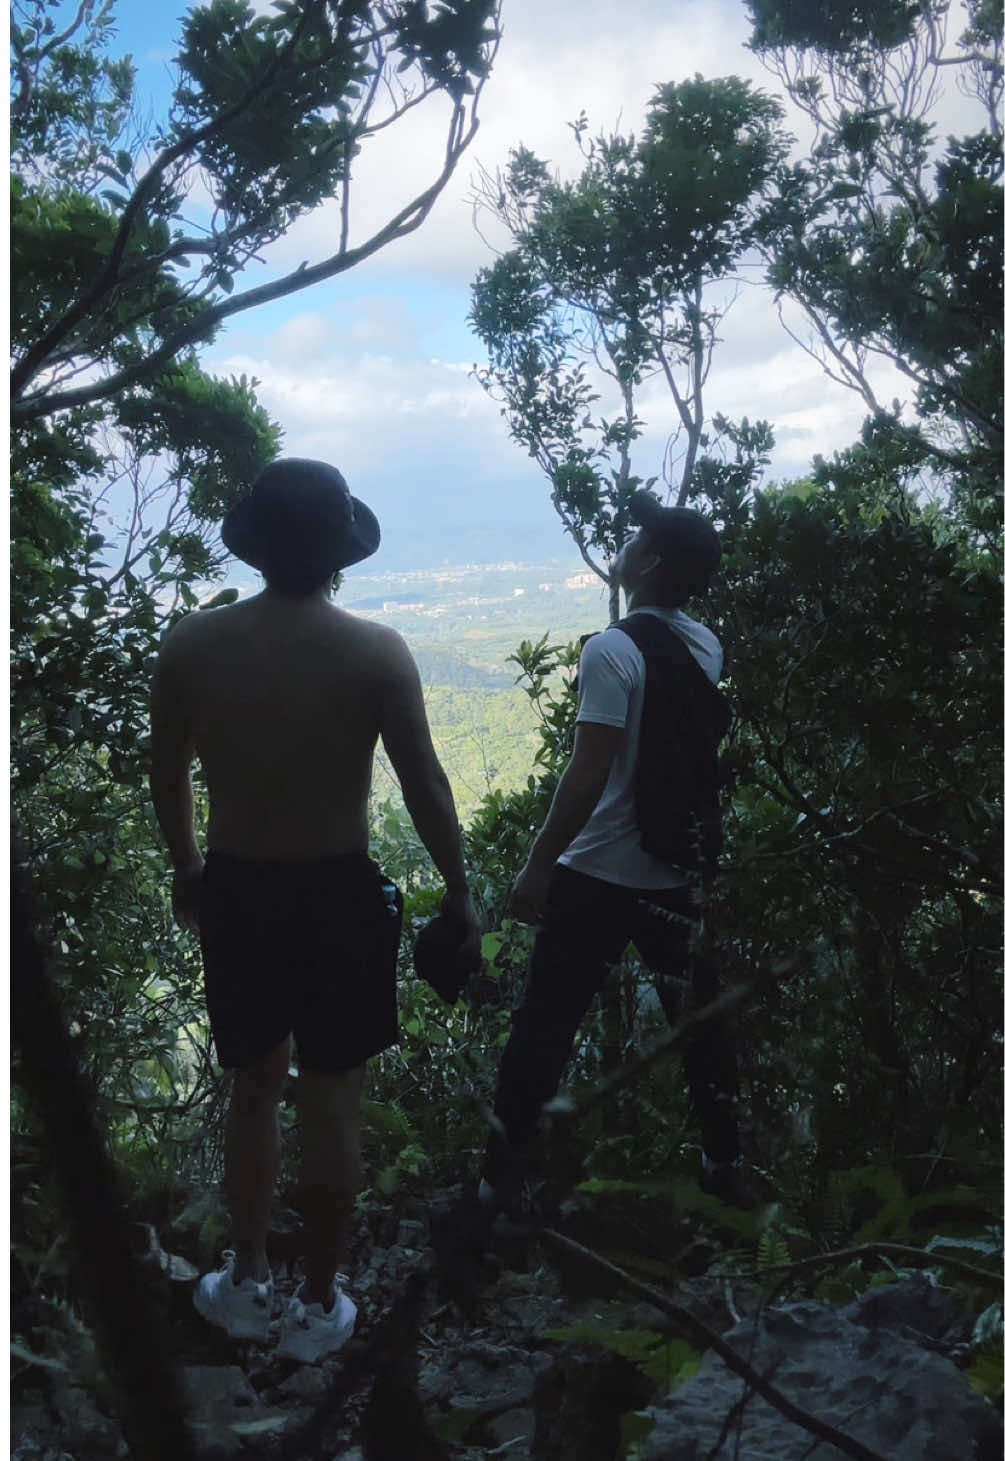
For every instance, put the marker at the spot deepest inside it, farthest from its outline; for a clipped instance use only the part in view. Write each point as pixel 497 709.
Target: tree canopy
pixel 888 238
pixel 614 275
pixel 269 114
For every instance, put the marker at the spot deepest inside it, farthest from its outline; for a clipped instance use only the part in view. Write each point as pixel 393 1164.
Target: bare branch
pixel 698 376
pixel 404 222
pixel 711 1340
pixel 895 1250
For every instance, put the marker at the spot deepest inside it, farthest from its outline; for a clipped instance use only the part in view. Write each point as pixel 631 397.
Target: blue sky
pixel 372 370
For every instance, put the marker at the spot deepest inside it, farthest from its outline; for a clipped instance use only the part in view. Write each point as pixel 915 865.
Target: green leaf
pixel 635 1430
pixel 772 1251
pixel 986 1369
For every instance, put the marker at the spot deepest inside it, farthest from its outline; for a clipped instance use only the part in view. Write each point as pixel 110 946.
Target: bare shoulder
pixel 189 632
pixel 387 649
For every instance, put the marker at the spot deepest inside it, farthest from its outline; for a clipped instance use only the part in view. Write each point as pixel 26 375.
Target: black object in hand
pixel 438 957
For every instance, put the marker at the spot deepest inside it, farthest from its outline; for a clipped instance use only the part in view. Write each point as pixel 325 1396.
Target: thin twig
pixel 630 1071
pixel 895 1250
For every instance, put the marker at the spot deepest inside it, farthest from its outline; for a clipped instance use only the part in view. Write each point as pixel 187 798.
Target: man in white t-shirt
pixel 591 888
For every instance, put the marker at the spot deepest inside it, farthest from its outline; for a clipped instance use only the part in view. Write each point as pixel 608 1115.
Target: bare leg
pixel 329 1135
pixel 252 1157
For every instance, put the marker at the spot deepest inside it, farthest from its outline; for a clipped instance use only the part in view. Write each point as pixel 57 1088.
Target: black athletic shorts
pixel 305 947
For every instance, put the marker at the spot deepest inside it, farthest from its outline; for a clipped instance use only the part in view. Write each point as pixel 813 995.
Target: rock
pixel 224 1411
pixel 917 1309
pixel 398 1262
pixel 82 1424
pixel 306 1383
pixel 506 1429
pixel 34 1433
pixel 887 1392
pixel 482 1377
pixel 532 1315
pixel 217 1389
pixel 411 1233
pixel 365 1283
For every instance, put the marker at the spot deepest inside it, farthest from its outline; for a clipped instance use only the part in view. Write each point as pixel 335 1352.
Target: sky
pixel 372 370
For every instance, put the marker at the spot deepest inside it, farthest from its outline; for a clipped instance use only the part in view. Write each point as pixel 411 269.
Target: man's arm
pixel 404 730
pixel 171 751
pixel 576 795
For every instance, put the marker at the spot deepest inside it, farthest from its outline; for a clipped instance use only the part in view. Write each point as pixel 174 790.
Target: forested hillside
pixel 857 915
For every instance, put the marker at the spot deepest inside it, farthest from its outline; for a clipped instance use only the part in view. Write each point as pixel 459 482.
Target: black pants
pixel 587 926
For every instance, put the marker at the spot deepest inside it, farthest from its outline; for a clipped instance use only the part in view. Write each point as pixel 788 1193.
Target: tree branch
pixel 632 1069
pixel 711 1340
pixel 32 361
pixel 895 1250
pixel 403 223
pixel 697 420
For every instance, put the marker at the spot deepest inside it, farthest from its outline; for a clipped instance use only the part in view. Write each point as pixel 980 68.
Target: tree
pixel 864 836
pixel 888 240
pixel 126 453
pixel 619 275
pixel 866 827
pixel 269 113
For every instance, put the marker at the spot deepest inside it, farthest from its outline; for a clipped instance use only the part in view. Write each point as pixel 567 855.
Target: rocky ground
pixel 471 1371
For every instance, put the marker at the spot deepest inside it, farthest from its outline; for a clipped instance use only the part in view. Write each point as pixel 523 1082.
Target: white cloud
pixel 363 373
pixel 418 440
pixel 604 57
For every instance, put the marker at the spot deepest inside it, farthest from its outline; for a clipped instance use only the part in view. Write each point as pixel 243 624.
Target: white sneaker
pixel 307 1333
pixel 242 1309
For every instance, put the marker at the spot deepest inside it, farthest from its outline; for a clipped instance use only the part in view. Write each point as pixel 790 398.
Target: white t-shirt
pixel 612 682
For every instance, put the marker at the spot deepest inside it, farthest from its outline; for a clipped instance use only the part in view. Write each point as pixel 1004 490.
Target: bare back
pixel 284 700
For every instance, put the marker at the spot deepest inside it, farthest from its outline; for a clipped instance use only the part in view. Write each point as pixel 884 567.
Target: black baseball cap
pixel 679 532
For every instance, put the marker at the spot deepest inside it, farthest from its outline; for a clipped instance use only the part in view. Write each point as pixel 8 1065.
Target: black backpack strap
pixel 667 653
pixel 677 779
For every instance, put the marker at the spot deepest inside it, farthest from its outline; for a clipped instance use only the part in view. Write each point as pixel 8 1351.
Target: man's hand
pixel 460 905
pixel 526 900
pixel 185 889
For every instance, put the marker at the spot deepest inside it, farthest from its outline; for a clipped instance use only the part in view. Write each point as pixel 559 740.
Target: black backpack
pixel 678 777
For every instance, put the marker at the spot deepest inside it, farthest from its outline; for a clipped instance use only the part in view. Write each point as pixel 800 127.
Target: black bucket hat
pixel 678 532
pixel 300 523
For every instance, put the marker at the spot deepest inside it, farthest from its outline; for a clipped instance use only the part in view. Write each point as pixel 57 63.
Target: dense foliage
pixel 612 280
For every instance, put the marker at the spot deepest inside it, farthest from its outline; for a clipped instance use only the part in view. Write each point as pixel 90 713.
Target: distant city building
pixel 582 580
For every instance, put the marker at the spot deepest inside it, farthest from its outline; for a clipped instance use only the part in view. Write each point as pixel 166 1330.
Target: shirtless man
pixel 282 697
